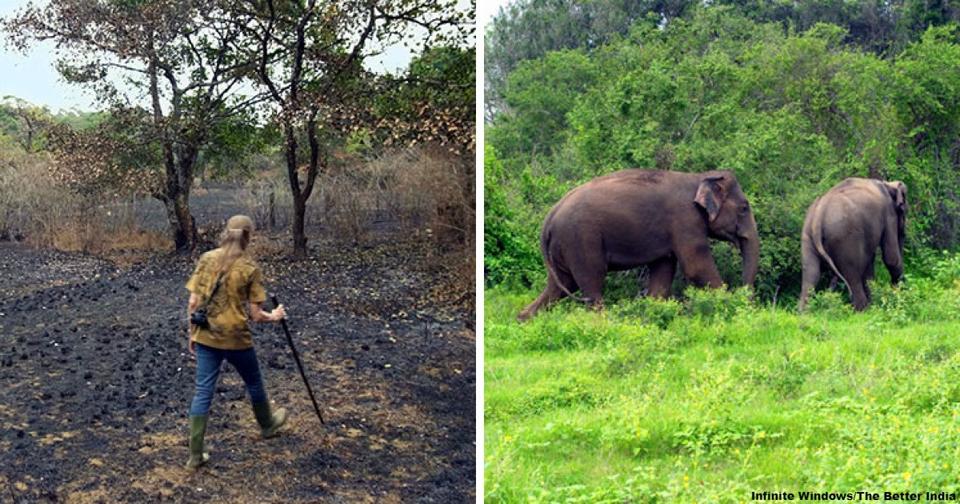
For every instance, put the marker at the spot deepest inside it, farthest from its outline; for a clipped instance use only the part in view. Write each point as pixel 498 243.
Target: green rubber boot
pixel 198 427
pixel 270 421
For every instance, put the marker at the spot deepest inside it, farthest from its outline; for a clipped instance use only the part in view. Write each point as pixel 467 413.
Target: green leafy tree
pixel 24 122
pixel 529 29
pixel 539 94
pixel 433 102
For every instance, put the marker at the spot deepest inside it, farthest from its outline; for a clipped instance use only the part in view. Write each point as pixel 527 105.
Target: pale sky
pixel 33 77
pixel 487 9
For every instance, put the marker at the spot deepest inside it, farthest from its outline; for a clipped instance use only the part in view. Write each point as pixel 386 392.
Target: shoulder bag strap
pixel 216 287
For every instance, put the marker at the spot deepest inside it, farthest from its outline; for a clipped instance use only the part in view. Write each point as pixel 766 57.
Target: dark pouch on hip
pixel 200 317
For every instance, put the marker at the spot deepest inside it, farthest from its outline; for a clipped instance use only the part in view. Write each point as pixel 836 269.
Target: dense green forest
pixel 721 393
pixel 528 29
pixel 793 98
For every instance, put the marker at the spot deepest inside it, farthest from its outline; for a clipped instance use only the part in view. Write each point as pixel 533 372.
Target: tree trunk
pixel 299 199
pixel 299 237
pixel 178 169
pixel 185 233
pixel 183 228
pixel 187 226
pixel 176 198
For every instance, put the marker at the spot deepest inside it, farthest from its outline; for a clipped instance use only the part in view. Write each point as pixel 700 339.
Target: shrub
pixel 710 304
pixel 657 312
pixel 511 246
pixel 830 304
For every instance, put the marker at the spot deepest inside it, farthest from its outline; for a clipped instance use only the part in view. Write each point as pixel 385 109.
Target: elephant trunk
pixel 750 253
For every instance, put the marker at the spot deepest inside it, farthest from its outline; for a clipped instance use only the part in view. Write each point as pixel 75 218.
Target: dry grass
pixel 36 208
pixel 268 200
pixel 95 233
pixel 421 193
pixel 30 202
pixel 421 189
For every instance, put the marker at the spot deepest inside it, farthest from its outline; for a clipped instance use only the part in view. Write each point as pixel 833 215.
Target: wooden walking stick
pixel 296 358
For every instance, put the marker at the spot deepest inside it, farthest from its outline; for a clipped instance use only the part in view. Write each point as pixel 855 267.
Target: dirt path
pixel 95 384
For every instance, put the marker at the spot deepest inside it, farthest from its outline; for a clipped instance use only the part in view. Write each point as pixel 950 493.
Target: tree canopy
pixel 529 29
pixel 193 85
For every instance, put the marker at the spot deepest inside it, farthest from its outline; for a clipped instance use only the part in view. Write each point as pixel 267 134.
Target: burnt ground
pixel 95 382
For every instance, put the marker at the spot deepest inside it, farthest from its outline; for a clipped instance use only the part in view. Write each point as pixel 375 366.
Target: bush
pixel 717 304
pixel 829 304
pixel 511 245
pixel 657 312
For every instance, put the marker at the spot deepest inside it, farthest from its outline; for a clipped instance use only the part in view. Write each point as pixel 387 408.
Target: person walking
pixel 227 288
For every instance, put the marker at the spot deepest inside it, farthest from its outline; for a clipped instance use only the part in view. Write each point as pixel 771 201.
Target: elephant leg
pixel 869 272
pixel 856 284
pixel 892 257
pixel 661 277
pixel 867 276
pixel 589 275
pixel 811 272
pixel 552 293
pixel 698 266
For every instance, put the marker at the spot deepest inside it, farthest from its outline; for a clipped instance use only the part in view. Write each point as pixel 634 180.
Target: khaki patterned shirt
pixel 227 311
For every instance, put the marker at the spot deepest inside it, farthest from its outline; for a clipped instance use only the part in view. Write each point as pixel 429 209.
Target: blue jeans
pixel 208 370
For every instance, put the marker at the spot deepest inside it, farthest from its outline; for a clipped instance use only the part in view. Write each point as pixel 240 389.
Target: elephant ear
pixel 898 192
pixel 710 196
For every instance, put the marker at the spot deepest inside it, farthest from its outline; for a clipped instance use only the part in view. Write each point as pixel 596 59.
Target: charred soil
pixel 95 382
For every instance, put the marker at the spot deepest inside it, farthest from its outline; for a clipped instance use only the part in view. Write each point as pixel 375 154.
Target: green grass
pixel 707 399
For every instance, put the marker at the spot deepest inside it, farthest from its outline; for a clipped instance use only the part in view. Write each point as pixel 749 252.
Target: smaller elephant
pixel 843 229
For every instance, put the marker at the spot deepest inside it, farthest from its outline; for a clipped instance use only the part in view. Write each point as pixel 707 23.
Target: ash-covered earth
pixel 95 382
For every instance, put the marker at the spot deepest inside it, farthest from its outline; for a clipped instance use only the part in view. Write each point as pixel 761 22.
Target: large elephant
pixel 843 229
pixel 634 217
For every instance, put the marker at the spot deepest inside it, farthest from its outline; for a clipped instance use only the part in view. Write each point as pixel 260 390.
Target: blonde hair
pixel 234 240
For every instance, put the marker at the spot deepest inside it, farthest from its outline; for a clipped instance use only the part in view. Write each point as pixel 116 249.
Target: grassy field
pixel 712 397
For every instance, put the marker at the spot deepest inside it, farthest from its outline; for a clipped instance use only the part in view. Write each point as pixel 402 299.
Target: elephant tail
pixel 551 268
pixel 818 244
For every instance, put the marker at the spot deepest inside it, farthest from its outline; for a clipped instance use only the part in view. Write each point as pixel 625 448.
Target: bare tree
pixel 173 58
